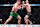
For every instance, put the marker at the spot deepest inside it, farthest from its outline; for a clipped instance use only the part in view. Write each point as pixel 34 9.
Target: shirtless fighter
pixel 14 13
pixel 28 8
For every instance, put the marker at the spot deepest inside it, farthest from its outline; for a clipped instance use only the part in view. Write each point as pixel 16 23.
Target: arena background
pixel 6 6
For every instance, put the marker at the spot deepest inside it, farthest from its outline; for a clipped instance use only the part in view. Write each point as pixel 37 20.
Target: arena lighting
pixel 20 5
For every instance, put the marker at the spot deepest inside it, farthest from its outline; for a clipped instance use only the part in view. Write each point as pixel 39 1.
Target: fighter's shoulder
pixel 15 4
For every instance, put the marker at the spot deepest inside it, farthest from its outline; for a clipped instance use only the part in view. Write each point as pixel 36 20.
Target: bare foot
pixel 30 22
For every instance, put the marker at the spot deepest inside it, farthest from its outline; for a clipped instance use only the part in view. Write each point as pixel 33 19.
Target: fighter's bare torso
pixel 16 7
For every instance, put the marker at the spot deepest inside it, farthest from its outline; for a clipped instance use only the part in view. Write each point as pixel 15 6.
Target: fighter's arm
pixel 23 5
pixel 27 2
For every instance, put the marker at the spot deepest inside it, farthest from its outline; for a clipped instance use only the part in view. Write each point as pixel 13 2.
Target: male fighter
pixel 14 13
pixel 28 8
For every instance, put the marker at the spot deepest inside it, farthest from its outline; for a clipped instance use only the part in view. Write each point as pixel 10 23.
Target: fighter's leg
pixel 29 12
pixel 29 21
pixel 26 20
pixel 19 20
pixel 10 17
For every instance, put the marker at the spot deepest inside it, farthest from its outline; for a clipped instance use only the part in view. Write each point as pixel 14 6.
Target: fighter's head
pixel 18 1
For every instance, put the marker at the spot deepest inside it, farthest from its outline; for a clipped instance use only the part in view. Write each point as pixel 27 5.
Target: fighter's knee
pixel 26 17
pixel 20 18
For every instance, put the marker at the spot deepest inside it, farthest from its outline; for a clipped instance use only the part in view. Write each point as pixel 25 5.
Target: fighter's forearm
pixel 25 4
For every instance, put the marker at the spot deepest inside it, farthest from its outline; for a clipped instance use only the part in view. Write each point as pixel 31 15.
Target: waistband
pixel 13 11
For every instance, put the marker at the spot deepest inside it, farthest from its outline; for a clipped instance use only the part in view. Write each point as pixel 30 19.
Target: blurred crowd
pixel 13 1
